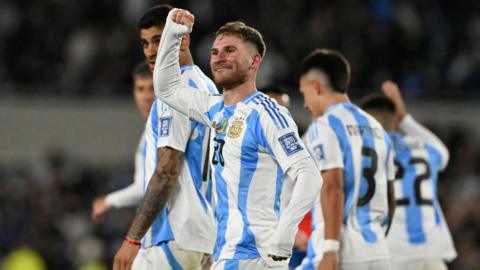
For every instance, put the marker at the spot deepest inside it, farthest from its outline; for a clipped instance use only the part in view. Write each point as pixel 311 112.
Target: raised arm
pixel 168 83
pixel 410 126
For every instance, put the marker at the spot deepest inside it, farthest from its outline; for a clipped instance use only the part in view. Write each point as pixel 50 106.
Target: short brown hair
pixel 245 32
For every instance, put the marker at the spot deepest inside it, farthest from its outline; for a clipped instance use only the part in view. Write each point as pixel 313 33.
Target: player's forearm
pixel 332 200
pixel 128 196
pixel 307 188
pixel 168 84
pixel 158 191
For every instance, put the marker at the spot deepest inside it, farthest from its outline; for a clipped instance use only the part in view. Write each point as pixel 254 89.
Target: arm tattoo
pixel 158 191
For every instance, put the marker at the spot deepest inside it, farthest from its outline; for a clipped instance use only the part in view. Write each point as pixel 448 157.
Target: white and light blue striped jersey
pixel 348 138
pixel 132 194
pixel 418 230
pixel 187 218
pixel 254 143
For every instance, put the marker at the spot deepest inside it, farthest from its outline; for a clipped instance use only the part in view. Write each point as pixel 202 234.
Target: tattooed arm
pixel 157 194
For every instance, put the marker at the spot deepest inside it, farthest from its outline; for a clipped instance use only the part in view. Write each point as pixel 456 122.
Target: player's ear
pixel 318 86
pixel 255 61
pixel 185 42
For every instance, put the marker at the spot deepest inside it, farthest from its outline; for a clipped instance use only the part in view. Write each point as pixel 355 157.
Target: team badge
pixel 290 143
pixel 235 129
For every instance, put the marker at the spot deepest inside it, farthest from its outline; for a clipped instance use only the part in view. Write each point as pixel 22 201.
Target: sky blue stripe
pixel 194 161
pixel 434 168
pixel 278 190
pixel 171 258
pixel 214 110
pixel 269 103
pixel 221 210
pixel 277 112
pixel 246 248
pixel 413 213
pixel 348 170
pixel 363 212
pixel 277 124
pixel 231 264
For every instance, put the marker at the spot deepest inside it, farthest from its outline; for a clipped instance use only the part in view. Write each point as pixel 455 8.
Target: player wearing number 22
pixel 355 157
pixel 254 144
pixel 419 238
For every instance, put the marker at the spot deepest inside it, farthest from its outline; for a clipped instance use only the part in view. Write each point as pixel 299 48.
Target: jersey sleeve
pixel 170 128
pixel 414 129
pixel 279 134
pixel 324 146
pixel 171 89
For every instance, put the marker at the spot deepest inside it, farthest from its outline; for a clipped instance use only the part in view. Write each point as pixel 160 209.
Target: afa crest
pixel 235 129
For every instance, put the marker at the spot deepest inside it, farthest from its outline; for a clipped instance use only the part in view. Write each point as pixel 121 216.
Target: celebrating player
pixel 419 238
pixel 132 194
pixel 355 157
pixel 175 218
pixel 255 142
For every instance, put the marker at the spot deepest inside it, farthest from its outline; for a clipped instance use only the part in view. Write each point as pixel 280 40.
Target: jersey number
pixel 369 174
pixel 419 200
pixel 218 152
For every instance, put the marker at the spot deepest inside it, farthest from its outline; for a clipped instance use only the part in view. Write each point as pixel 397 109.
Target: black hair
pixel 245 32
pixel 274 88
pixel 332 63
pixel 141 70
pixel 378 102
pixel 156 16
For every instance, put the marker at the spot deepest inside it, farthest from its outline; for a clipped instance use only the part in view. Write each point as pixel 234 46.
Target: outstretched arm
pixel 156 196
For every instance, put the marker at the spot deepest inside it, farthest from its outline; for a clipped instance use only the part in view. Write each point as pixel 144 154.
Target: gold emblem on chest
pixel 235 129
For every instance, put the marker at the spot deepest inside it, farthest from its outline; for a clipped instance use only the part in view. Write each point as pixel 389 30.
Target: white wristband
pixel 331 245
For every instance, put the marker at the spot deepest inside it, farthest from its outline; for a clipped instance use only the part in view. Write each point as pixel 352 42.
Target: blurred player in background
pixel 419 238
pixel 255 143
pixel 280 94
pixel 175 221
pixel 132 194
pixel 355 156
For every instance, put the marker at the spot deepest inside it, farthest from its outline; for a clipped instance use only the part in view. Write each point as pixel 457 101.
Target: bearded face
pixel 229 61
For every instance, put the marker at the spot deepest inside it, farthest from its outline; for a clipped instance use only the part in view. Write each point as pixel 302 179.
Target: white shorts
pixel 245 264
pixel 372 265
pixel 420 264
pixel 168 256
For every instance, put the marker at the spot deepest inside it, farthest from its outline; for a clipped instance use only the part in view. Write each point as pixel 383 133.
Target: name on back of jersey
pixel 361 130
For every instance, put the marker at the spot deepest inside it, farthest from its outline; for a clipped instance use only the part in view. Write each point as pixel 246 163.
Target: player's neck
pixel 335 98
pixel 238 93
pixel 185 58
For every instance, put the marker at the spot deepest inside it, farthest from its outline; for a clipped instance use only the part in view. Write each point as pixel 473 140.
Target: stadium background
pixel 68 126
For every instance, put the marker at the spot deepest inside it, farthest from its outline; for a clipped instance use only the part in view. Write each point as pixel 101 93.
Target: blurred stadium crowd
pixel 431 47
pixel 88 48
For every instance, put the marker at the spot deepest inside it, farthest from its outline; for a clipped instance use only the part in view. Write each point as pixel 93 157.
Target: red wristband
pixel 133 242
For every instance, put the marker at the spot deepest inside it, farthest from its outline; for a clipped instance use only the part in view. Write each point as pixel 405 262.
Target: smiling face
pixel 232 61
pixel 150 40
